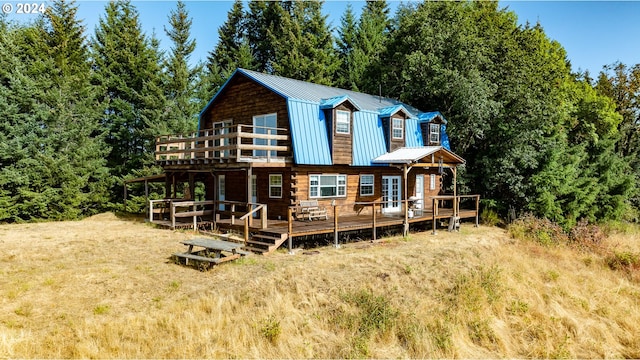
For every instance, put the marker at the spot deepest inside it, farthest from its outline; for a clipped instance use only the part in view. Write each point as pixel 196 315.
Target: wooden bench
pixel 311 210
pixel 211 253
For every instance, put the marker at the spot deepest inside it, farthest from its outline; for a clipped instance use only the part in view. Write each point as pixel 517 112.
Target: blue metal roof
pixel 368 138
pixel 335 101
pixel 413 133
pixel 308 125
pixel 308 133
pixel 392 110
pixel 428 116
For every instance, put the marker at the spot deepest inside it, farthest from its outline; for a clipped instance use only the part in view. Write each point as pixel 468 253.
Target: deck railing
pixel 169 211
pixel 439 204
pixel 241 143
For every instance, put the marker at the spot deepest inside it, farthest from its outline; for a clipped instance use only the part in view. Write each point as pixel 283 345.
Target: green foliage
pixel 541 231
pixel 270 329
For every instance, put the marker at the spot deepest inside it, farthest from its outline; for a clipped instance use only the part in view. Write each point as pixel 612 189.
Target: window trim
pixel 348 122
pixel 276 186
pixel 432 133
pixel 372 184
pixel 319 186
pixel 394 128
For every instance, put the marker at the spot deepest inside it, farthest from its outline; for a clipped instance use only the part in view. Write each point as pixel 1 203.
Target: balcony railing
pixel 240 143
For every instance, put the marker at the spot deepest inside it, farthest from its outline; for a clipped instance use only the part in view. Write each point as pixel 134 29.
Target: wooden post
pixel 173 215
pixel 373 227
pixel 455 193
pixel 434 209
pixel 246 230
pixel 207 144
pixel 167 186
pixel 477 210
pixel 125 196
pixel 195 218
pixel 263 217
pixel 238 143
pixel 249 193
pixel 233 214
pixel 405 172
pixel 146 195
pixel 150 211
pixel 269 144
pixel 335 226
pixel 192 186
pixel 290 229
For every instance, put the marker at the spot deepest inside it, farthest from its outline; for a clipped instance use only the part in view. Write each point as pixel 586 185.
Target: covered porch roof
pixel 423 155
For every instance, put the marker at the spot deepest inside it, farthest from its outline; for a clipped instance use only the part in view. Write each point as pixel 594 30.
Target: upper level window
pixel 366 185
pixel 343 122
pixel 397 128
pixel 327 186
pixel 434 133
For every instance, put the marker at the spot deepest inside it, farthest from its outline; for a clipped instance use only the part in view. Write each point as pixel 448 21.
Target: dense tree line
pixel 79 112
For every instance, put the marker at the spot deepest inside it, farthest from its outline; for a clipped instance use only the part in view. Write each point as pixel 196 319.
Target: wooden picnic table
pixel 210 251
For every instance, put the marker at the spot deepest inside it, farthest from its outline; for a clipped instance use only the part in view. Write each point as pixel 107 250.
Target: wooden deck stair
pixel 264 242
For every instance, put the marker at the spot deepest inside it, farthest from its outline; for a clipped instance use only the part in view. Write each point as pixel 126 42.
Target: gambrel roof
pixel 308 125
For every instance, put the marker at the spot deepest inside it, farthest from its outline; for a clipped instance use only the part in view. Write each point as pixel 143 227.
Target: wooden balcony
pixel 236 143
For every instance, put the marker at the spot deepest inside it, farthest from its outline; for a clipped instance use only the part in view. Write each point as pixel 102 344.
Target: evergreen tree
pixel 52 153
pixel 372 35
pixel 233 50
pixel 127 69
pixel 179 87
pixel 262 24
pixel 346 43
pixel 303 44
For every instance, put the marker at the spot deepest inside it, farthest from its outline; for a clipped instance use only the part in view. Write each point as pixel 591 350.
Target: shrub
pixel 541 231
pixel 586 237
pixel 270 329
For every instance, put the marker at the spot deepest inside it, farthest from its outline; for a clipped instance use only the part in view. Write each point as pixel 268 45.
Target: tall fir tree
pixel 127 67
pixel 180 78
pixel 346 76
pixel 53 155
pixel 303 44
pixel 233 50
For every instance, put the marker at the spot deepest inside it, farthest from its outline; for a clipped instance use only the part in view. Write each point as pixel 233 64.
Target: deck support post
pixel 477 209
pixel 249 193
pixel 289 229
pixel 434 210
pixel 455 194
pixel 405 173
pixel 335 227
pixel 373 225
pixel 146 195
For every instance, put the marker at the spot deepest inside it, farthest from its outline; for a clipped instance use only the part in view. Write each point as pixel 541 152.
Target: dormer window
pixel 434 133
pixel 343 122
pixel 397 130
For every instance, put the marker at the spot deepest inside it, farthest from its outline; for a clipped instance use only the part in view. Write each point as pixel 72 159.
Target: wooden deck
pixel 345 223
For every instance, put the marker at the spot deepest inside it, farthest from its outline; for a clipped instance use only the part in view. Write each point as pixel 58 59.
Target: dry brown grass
pixel 105 288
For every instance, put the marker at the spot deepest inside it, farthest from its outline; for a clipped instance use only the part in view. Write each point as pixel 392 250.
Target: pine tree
pixel 233 50
pixel 346 44
pixel 372 36
pixel 303 44
pixel 52 155
pixel 263 22
pixel 180 83
pixel 128 71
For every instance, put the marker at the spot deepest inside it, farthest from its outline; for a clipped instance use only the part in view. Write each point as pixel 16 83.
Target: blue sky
pixel 594 33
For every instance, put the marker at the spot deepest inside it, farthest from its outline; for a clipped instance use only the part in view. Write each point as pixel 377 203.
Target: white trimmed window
pixel 366 185
pixel 275 186
pixel 397 128
pixel 434 133
pixel 326 186
pixel 343 122
pixel 432 182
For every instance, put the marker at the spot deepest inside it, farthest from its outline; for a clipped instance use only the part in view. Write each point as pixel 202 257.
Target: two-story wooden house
pixel 270 140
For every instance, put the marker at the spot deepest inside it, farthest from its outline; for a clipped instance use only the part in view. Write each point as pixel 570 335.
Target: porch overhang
pixel 423 156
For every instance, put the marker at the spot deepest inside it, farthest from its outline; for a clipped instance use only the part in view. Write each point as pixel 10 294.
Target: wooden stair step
pixel 251 241
pixel 257 250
